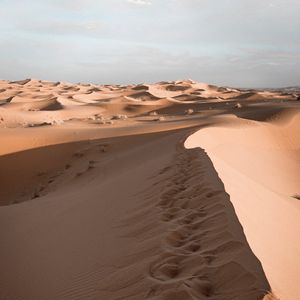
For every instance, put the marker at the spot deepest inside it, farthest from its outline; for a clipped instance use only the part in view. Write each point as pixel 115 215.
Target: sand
pixel 175 190
pixel 259 165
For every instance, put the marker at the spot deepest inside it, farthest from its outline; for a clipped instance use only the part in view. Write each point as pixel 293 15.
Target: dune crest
pixel 259 165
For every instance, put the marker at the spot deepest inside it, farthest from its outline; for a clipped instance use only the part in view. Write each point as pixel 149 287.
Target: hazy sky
pixel 228 42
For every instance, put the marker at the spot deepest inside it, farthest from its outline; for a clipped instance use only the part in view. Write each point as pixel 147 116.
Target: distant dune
pixel 174 191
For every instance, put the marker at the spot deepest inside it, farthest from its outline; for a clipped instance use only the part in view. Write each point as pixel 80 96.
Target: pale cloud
pixel 140 2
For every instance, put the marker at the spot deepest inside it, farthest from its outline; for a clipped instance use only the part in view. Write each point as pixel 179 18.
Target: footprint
pixel 176 238
pixel 166 217
pixel 91 165
pixel 67 166
pixel 166 269
pixel 201 287
pixel 213 194
pixel 78 154
pixel 103 148
pixel 79 174
pixel 192 247
pixel 35 195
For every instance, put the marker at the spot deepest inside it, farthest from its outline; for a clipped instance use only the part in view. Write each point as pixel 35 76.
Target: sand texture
pixel 172 191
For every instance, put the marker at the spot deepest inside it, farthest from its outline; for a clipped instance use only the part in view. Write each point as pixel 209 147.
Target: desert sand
pixel 175 191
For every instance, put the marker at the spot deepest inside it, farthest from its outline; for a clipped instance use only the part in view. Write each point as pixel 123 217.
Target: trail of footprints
pixel 78 165
pixel 184 257
pixel 200 256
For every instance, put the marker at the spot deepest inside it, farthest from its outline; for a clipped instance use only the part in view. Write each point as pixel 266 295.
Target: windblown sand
pixel 174 191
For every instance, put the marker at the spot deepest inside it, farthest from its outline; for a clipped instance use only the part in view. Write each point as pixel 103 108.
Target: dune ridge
pixel 259 165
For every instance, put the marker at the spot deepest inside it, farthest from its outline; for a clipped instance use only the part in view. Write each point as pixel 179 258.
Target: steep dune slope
pixel 259 163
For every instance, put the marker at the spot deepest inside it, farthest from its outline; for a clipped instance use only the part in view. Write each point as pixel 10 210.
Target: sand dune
pixel 118 250
pixel 99 198
pixel 144 96
pixel 140 87
pixel 259 165
pixel 47 104
pixel 21 82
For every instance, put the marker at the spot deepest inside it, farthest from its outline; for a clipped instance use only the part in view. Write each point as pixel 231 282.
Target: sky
pixel 241 43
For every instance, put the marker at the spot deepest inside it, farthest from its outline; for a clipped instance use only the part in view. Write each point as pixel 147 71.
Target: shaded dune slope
pixel 168 231
pixel 40 105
